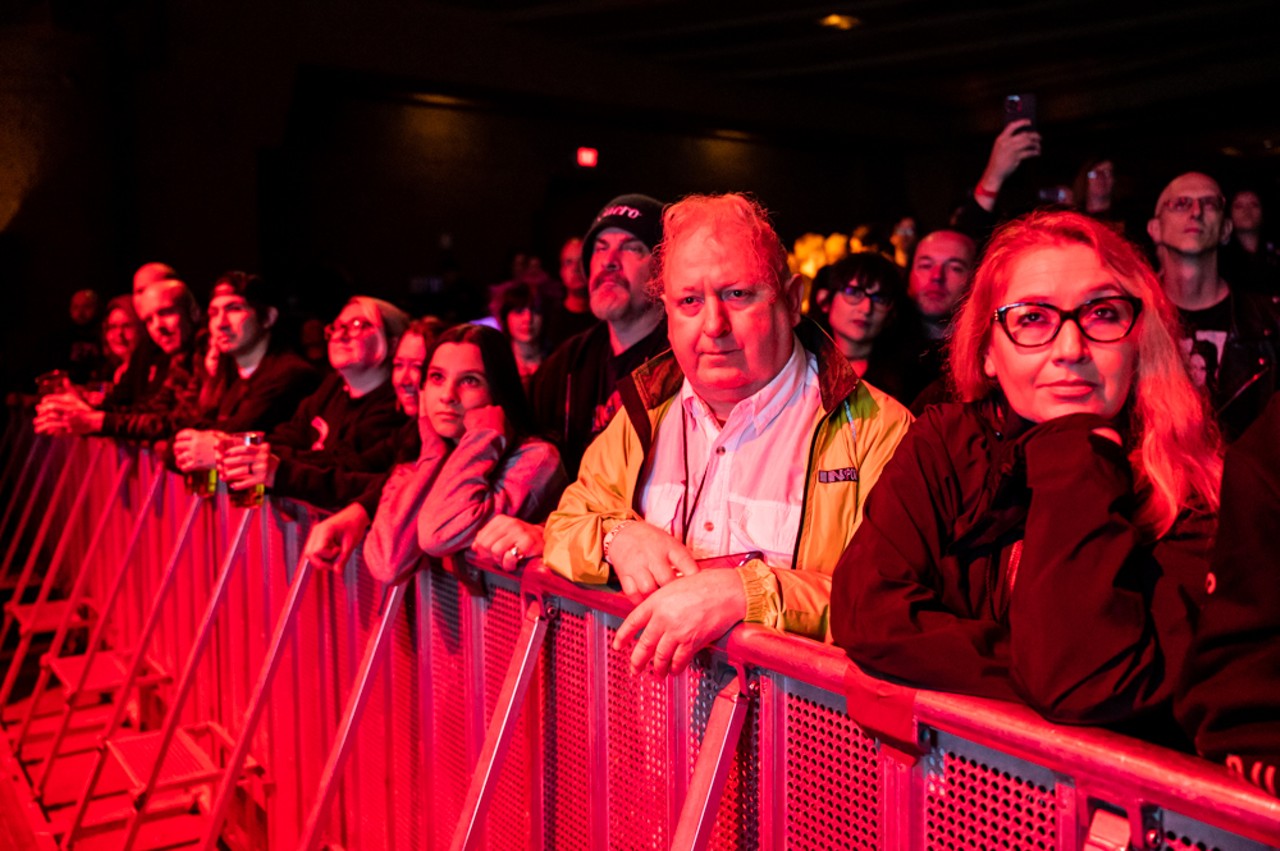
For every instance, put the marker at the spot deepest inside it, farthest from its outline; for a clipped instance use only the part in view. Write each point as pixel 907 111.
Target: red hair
pixel 1176 450
pixel 734 219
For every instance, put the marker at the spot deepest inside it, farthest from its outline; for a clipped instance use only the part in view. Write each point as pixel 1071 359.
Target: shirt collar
pixel 763 406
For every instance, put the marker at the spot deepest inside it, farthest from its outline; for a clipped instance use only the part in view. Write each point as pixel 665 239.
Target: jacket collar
pixel 658 379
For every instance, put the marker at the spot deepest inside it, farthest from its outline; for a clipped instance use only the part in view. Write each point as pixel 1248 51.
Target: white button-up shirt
pixel 751 471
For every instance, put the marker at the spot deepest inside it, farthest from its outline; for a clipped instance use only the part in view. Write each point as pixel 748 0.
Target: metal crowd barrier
pixel 496 715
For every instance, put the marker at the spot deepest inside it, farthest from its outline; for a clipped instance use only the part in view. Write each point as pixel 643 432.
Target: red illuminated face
pixel 1246 211
pixel 1190 219
pixel 455 384
pixel 168 324
pixel 620 269
pixel 857 322
pixel 234 328
pixel 571 265
pixel 121 334
pixel 731 331
pixel 406 371
pixel 940 273
pixel 1070 374
pixel 357 343
pixel 524 325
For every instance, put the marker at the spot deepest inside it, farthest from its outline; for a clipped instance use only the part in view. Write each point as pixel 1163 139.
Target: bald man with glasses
pixel 1189 227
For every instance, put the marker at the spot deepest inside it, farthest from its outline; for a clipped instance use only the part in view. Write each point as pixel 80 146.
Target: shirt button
pixel 709 526
pixel 719 450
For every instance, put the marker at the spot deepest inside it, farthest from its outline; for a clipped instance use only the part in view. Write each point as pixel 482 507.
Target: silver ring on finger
pixel 514 552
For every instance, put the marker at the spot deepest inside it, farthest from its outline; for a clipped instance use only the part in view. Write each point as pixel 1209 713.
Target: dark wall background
pixel 345 144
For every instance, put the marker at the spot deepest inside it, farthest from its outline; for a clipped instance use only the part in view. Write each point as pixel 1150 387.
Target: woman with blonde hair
pixel 352 411
pixel 1045 539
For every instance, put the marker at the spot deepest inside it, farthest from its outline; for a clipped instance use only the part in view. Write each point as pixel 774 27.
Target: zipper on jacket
pixel 808 473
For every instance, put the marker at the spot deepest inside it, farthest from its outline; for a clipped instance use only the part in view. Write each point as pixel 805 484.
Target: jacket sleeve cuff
pixel 758 584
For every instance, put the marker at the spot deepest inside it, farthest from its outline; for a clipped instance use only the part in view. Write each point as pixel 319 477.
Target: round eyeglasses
pixel 1187 203
pixel 1102 320
pixel 857 295
pixel 351 330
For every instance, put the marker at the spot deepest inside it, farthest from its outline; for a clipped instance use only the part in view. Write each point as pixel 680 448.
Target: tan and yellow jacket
pixel 854 435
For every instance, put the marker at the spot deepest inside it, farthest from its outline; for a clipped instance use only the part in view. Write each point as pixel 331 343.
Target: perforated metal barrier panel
pixel 979 798
pixel 599 757
pixel 510 819
pixel 639 747
pixel 567 776
pixel 833 774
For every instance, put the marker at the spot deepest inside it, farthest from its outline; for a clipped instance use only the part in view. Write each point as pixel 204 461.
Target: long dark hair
pixel 499 371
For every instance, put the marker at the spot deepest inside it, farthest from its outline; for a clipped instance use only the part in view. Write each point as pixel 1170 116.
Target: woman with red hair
pixel 1045 539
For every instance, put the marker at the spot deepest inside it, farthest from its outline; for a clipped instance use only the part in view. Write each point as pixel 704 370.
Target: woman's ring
pixel 514 552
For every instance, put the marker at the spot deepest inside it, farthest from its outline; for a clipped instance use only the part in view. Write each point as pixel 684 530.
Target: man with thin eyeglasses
pixel 1189 227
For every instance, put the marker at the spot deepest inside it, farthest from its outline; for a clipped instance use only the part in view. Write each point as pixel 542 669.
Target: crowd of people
pixel 987 460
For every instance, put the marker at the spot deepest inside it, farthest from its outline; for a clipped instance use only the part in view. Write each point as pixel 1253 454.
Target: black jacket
pixel 158 415
pixel 1230 700
pixel 573 394
pixel 1247 375
pixel 1097 624
pixel 330 430
pixel 264 400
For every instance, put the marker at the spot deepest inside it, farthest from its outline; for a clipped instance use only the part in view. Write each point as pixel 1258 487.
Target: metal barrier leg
pixel 502 726
pixel 73 603
pixel 715 758
pixel 257 702
pixel 135 667
pixel 29 507
pixel 173 715
pixel 96 640
pixel 356 702
pixel 28 568
pixel 46 586
pixel 17 451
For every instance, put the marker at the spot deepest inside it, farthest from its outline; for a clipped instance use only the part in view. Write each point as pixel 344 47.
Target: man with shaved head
pixel 1189 227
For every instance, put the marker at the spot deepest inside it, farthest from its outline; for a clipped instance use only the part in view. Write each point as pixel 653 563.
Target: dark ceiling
pixel 1208 71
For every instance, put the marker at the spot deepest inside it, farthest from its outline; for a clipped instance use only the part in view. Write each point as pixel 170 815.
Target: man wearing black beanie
pixel 574 393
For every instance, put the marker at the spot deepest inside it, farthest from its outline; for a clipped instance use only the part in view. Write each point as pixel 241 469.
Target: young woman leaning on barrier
pixel 1045 540
pixel 477 461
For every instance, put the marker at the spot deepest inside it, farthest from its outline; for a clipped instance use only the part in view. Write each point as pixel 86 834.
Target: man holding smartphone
pixel 751 442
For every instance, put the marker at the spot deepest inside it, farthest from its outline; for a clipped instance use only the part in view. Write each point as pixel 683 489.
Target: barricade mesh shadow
pixel 833 774
pixel 508 821
pixel 451 768
pixel 565 722
pixel 1186 834
pixel 976 798
pixel 639 773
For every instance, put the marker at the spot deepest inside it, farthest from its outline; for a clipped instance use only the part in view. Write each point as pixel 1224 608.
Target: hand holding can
pixel 245 463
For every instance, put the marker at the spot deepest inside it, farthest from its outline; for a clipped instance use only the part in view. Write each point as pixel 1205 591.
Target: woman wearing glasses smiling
pixel 1045 539
pixel 353 410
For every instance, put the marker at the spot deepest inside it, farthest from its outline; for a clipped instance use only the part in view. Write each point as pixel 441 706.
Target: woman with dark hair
pixel 521 313
pixel 478 460
pixel 121 331
pixel 863 313
pixel 1202 364
pixel 1046 538
pixel 1250 260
